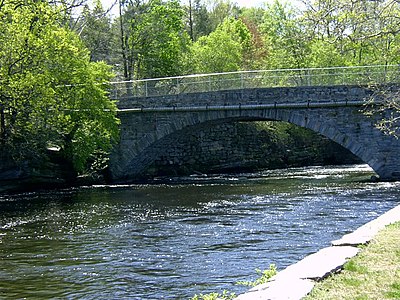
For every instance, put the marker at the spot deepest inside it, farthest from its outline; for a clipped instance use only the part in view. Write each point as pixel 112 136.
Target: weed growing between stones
pixel 264 277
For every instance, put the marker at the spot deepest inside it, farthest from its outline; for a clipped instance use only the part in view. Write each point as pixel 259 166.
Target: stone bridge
pixel 334 111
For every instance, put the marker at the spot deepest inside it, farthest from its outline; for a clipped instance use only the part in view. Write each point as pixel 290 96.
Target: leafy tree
pixel 160 52
pixel 255 55
pixel 50 92
pixel 254 15
pixel 198 20
pixel 219 10
pixel 223 49
pixel 154 39
pixel 95 31
pixel 363 32
pixel 323 53
pixel 69 12
pixel 285 36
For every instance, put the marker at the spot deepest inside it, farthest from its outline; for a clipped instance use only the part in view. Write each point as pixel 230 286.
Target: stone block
pixel 365 233
pixel 292 289
pixel 318 265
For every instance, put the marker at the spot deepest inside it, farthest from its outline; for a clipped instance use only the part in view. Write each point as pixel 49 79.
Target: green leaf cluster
pixel 223 49
pixel 158 38
pixel 153 39
pixel 215 296
pixel 51 95
pixel 264 276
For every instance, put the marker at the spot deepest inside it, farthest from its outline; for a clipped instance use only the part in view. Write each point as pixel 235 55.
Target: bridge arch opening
pixel 241 144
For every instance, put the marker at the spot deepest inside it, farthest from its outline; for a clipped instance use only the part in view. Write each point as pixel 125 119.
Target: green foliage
pixel 222 50
pixel 362 32
pixel 161 55
pixel 95 31
pixel 215 296
pixel 220 10
pixel 324 53
pixel 50 92
pixel 217 36
pixel 156 40
pixel 198 20
pixel 286 37
pixel 394 292
pixel 265 276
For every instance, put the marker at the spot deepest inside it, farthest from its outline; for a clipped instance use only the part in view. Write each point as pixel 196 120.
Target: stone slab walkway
pixel 297 280
pixel 366 232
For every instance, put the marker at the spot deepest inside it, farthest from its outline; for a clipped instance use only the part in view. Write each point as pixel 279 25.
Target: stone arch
pixel 330 132
pixel 352 130
pixel 345 133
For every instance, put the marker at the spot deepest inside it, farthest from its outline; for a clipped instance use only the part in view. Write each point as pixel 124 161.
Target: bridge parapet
pixel 204 83
pixel 268 97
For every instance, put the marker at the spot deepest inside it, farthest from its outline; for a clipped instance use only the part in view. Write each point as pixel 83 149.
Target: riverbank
pixel 373 274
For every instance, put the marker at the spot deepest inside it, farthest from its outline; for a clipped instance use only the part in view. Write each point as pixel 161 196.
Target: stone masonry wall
pixel 241 147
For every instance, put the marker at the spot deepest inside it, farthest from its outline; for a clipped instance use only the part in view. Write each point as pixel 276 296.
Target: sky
pixel 250 3
pixel 241 3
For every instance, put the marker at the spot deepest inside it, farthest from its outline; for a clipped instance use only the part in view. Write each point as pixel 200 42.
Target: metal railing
pixel 360 75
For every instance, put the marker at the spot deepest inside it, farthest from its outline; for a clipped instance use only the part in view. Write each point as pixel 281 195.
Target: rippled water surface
pixel 174 241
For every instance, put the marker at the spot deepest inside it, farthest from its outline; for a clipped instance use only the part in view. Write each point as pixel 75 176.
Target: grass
pixel 373 274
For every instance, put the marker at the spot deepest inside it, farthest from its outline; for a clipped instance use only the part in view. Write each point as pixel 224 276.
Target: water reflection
pixel 170 241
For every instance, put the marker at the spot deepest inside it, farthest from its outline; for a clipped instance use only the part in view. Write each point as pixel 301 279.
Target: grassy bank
pixel 373 274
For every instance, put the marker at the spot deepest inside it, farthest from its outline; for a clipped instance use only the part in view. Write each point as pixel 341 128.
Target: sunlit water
pixel 173 241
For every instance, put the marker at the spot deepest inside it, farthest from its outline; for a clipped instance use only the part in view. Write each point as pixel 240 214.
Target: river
pixel 171 241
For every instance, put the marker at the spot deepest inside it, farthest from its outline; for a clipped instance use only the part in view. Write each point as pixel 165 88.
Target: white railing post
pixel 343 77
pixel 114 93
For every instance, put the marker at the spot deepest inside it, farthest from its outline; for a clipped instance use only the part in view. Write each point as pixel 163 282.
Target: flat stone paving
pixel 297 280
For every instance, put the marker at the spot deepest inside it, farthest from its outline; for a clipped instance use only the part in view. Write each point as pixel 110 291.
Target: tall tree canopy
pixel 50 92
pixel 155 36
pixel 223 49
pixel 198 19
pixel 285 36
pixel 362 31
pixel 153 39
pixel 95 31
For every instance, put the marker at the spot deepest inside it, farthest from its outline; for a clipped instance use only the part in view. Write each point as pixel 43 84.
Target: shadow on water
pixel 171 241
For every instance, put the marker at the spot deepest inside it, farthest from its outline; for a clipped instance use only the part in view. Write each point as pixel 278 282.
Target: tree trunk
pixel 2 126
pixel 191 20
pixel 123 47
